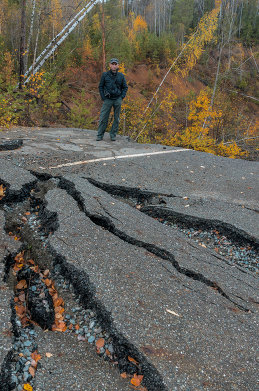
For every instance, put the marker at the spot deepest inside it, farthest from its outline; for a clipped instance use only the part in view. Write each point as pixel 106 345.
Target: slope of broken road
pixel 177 314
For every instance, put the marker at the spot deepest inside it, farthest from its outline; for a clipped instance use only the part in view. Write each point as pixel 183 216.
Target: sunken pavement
pixel 125 266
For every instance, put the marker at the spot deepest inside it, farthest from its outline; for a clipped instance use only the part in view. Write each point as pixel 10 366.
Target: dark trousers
pixel 104 116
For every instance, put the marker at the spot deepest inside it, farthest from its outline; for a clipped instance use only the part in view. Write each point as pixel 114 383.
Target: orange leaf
pixel 100 343
pixel 58 309
pixel 20 309
pixel 19 257
pixel 60 327
pixel 48 282
pixel 21 284
pixel 77 327
pixel 136 380
pixel 58 302
pixel 55 297
pixel 132 360
pixel 35 356
pixel 27 213
pixel 124 375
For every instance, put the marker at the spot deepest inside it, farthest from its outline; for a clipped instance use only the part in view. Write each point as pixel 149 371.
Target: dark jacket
pixel 113 85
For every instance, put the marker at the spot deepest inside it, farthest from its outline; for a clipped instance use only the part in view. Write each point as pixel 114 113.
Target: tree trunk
pixel 103 37
pixel 22 43
pixel 56 42
pixel 30 36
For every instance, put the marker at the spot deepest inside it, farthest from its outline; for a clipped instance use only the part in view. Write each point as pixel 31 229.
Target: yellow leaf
pixel 27 387
pixel 2 191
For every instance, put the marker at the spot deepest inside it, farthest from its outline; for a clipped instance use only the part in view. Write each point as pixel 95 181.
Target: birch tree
pixel 22 43
pixel 30 35
pixel 59 38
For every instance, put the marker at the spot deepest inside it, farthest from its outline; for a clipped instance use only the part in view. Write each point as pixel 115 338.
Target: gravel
pixel 242 255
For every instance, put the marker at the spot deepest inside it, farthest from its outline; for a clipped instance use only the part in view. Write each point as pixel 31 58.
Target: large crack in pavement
pixel 36 232
pixel 155 205
pixel 33 223
pixel 106 223
pixel 236 245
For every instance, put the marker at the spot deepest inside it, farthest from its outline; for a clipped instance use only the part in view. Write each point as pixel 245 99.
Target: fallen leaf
pixel 22 297
pixel 58 309
pixel 77 327
pixel 100 343
pixel 35 356
pixel 24 320
pixel 58 301
pixel 136 380
pixel 19 256
pixel 21 284
pixel 32 371
pixel 27 213
pixel 33 363
pixel 132 360
pixel 49 355
pixel 172 312
pixel 202 245
pixel 20 309
pixel 2 191
pixel 61 326
pixel 124 375
pixel 48 282
pixel 27 387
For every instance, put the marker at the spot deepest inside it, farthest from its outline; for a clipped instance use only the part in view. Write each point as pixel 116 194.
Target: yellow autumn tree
pixel 139 24
pixel 204 34
pixel 197 135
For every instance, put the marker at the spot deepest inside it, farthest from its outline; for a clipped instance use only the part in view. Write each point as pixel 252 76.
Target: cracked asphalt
pixel 186 315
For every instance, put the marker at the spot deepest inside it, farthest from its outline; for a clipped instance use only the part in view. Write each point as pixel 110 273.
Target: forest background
pixel 191 66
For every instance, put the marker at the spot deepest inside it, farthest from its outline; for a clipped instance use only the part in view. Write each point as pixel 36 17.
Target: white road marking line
pixel 118 157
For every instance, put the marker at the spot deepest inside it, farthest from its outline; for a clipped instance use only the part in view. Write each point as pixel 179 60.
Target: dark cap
pixel 114 60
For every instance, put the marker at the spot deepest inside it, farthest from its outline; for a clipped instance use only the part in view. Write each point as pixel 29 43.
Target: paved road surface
pixel 185 313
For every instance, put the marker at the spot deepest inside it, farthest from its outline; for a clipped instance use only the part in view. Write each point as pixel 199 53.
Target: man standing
pixel 113 89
